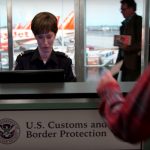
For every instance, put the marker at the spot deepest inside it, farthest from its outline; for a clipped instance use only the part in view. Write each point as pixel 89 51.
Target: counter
pixel 57 115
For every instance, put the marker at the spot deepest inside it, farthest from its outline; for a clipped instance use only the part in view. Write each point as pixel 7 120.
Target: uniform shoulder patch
pixel 26 52
pixel 61 54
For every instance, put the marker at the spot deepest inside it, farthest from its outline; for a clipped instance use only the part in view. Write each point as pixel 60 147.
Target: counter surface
pixel 75 95
pixel 54 90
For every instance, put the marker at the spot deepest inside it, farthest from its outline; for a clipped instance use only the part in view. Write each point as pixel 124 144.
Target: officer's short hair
pixel 130 3
pixel 44 22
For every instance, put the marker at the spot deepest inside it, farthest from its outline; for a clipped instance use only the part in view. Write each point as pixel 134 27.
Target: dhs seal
pixel 9 131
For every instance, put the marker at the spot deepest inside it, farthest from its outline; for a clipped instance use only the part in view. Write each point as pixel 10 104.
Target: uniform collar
pixel 36 56
pixel 128 19
pixel 53 57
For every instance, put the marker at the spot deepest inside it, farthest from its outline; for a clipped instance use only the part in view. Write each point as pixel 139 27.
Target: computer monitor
pixel 32 76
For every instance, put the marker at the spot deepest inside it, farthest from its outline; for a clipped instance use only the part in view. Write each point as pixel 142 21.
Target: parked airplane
pixel 22 35
pixel 23 39
pixel 100 57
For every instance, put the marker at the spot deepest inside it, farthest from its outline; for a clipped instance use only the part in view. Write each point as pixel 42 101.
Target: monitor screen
pixel 32 76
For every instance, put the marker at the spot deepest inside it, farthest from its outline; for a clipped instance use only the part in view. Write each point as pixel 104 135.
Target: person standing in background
pixel 130 54
pixel 44 27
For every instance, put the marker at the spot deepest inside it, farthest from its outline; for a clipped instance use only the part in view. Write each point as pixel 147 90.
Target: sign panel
pixel 57 130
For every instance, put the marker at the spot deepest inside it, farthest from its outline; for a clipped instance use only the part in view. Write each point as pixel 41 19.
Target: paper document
pixel 122 40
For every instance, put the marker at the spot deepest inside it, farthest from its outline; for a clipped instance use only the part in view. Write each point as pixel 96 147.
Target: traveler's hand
pixel 105 79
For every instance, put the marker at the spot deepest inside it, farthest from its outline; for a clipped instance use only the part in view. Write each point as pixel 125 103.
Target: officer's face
pixel 45 41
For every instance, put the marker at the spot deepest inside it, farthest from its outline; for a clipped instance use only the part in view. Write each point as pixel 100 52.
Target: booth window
pixel 22 35
pixel 101 26
pixel 92 38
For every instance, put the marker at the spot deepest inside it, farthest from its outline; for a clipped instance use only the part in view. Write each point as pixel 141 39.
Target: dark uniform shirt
pixel 31 60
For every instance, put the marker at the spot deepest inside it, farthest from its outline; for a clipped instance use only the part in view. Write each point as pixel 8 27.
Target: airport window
pixel 101 26
pixel 3 35
pixel 103 19
pixel 23 38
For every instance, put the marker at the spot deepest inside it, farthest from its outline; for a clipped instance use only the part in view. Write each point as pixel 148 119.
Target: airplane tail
pixel 68 23
pixel 18 26
pixel 28 26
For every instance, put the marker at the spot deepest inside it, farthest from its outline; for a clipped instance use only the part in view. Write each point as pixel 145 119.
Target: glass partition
pixel 3 35
pixel 96 22
pixel 23 38
pixel 103 19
